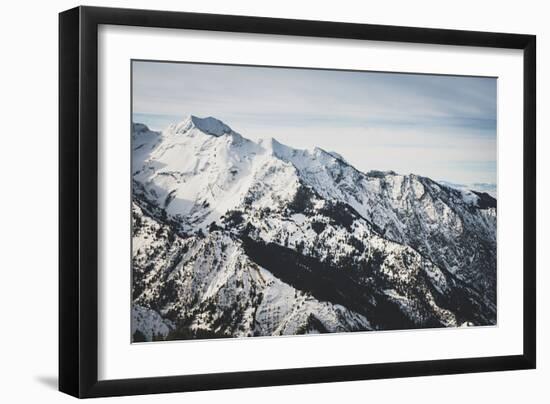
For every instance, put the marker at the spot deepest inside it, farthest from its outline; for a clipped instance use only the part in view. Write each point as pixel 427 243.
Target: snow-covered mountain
pixel 239 238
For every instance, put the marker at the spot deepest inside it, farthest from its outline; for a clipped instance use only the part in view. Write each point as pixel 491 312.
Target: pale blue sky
pixel 443 127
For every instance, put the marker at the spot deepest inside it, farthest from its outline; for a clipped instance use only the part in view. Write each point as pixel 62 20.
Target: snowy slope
pixel 149 323
pixel 210 284
pixel 444 224
pixel 201 169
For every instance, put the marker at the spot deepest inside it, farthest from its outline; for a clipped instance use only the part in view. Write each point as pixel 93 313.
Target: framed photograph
pixel 251 201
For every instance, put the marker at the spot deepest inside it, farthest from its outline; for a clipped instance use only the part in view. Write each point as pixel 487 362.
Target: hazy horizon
pixel 442 127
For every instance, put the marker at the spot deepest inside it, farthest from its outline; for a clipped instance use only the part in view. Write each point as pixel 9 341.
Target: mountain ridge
pixel 313 207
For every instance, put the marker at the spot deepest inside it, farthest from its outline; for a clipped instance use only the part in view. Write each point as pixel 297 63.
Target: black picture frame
pixel 78 201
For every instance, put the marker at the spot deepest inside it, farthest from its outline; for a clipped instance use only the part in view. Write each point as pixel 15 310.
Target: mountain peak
pixel 330 154
pixel 139 127
pixel 277 147
pixel 208 125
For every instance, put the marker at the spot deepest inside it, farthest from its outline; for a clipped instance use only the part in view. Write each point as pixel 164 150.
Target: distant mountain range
pixel 235 238
pixel 490 189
